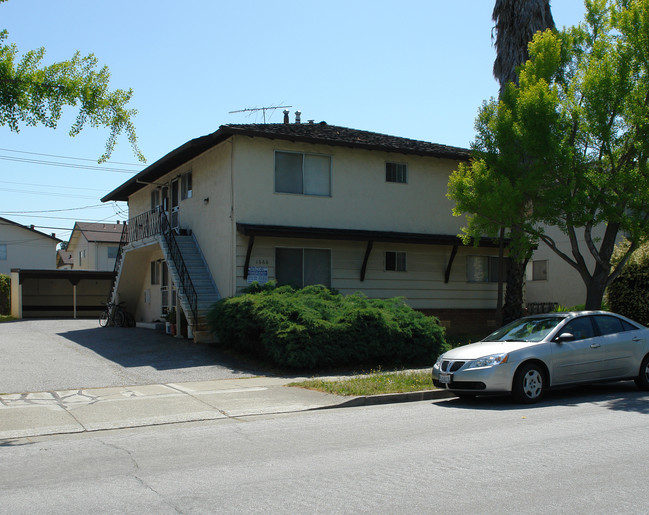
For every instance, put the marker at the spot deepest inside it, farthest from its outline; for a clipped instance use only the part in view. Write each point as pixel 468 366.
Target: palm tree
pixel 516 23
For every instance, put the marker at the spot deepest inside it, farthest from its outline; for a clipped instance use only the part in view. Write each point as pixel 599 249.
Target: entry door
pixel 175 204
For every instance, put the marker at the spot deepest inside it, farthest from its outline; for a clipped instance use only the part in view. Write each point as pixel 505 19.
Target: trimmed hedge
pixel 5 294
pixel 628 293
pixel 316 328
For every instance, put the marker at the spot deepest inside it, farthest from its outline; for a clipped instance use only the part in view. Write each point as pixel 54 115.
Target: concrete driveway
pixel 46 355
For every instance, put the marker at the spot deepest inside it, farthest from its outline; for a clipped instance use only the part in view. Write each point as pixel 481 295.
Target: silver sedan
pixel 535 353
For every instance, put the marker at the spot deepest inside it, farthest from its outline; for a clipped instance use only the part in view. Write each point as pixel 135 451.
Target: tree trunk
pixel 513 307
pixel 595 288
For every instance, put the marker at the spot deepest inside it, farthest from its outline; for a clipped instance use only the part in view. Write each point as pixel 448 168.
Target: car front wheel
pixel 529 384
pixel 642 381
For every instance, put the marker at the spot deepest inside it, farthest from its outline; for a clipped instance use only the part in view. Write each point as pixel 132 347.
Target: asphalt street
pixel 578 451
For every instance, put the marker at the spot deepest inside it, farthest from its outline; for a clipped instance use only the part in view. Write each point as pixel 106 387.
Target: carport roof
pixel 74 276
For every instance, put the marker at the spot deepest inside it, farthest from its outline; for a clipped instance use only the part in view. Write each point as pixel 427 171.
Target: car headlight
pixel 438 363
pixel 489 361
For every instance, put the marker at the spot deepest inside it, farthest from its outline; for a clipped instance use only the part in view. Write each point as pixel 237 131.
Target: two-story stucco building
pixel 301 204
pixel 94 245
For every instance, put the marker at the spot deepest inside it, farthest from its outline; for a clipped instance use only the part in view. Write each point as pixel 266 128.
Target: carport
pixel 59 293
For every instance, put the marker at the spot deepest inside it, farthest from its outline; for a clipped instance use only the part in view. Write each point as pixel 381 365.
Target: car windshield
pixel 530 329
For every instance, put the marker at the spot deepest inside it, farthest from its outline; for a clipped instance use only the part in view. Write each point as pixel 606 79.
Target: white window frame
pixel 397 176
pixel 400 261
pixel 534 272
pixel 304 157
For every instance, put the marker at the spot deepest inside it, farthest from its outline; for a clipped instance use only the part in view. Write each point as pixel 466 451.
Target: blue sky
pixel 414 68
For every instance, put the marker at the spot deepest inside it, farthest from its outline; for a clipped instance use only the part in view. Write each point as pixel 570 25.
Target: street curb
pixel 391 398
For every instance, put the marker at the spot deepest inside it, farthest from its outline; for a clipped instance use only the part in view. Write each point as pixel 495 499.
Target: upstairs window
pixel 396 172
pixel 302 174
pixel 186 186
pixel 112 252
pixel 3 252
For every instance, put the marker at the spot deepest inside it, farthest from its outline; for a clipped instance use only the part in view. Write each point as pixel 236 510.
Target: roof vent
pixel 286 111
pixel 297 116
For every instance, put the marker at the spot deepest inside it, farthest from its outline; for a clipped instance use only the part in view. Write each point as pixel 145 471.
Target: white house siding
pixel 26 248
pixel 422 284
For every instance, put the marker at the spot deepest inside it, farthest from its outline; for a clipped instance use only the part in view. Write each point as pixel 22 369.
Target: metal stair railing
pixel 186 285
pixel 123 240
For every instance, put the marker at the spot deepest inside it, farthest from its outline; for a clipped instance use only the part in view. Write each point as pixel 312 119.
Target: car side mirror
pixel 565 337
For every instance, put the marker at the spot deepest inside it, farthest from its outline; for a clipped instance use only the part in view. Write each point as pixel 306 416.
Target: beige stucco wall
pixel 564 284
pixel 26 249
pixel 208 213
pixel 360 196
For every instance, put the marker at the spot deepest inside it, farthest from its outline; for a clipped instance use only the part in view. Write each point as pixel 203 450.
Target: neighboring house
pixel 552 281
pixel 94 246
pixel 25 247
pixel 301 204
pixel 64 260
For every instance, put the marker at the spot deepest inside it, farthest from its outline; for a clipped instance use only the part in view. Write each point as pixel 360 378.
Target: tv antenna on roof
pixel 257 109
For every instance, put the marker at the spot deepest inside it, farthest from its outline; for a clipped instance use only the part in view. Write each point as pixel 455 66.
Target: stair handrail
pixel 176 256
pixel 123 240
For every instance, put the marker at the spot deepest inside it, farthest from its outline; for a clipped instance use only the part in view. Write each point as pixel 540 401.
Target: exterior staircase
pixel 200 278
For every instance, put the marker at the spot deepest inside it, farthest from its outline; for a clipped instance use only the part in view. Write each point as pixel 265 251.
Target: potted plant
pixel 170 318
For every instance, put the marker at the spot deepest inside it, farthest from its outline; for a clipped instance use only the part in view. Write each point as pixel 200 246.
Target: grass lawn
pixel 6 318
pixel 374 383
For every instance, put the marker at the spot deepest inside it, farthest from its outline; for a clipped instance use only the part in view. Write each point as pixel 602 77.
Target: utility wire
pixel 67 165
pixel 67 157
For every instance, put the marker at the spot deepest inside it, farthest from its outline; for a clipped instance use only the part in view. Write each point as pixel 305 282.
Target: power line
pixel 48 193
pixel 67 165
pixel 51 186
pixel 65 157
pixel 55 210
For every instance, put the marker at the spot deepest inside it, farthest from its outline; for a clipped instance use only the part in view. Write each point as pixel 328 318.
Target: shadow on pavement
pixel 619 396
pixel 137 347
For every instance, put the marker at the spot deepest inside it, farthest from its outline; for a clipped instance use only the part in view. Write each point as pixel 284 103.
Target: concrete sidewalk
pixel 94 409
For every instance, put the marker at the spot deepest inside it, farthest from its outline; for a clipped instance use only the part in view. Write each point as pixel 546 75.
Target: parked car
pixel 533 354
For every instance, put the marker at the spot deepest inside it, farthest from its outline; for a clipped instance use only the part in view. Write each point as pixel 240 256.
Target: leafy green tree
pixel 32 93
pixel 579 117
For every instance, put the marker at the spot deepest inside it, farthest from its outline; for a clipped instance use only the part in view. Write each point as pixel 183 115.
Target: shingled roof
pixel 320 133
pixel 100 232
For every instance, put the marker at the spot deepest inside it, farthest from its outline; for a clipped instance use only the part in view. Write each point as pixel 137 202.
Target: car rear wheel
pixel 642 381
pixel 529 384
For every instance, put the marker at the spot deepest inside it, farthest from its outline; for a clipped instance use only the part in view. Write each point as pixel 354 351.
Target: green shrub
pixel 5 294
pixel 628 294
pixel 315 328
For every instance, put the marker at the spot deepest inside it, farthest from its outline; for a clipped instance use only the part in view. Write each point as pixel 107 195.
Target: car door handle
pixel 595 345
pixel 636 339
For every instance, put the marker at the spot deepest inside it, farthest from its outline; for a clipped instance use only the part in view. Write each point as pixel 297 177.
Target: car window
pixel 531 329
pixel 608 324
pixel 580 328
pixel 628 327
